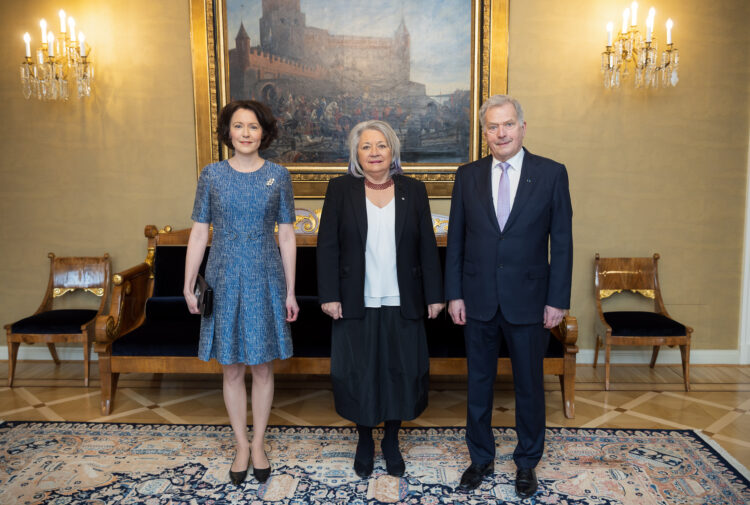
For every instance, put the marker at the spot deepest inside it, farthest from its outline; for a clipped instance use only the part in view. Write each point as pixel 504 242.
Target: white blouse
pixel 381 279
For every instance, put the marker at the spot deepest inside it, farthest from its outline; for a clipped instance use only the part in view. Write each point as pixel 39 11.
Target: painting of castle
pixel 358 63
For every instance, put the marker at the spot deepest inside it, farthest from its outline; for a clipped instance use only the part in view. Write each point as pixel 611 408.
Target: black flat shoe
pixel 364 457
pixel 472 477
pixel 237 478
pixel 526 483
pixel 262 474
pixel 363 468
pixel 394 463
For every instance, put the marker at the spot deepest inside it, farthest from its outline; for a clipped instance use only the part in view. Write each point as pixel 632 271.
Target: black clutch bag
pixel 205 295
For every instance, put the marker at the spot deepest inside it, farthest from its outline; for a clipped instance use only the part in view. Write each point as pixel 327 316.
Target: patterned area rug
pixel 77 463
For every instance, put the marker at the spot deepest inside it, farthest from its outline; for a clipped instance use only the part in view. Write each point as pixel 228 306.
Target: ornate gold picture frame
pixel 489 71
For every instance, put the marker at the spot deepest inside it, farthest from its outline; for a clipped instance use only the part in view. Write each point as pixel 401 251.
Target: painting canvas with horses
pixel 325 65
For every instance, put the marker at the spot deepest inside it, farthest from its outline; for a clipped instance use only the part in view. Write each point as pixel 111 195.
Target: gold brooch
pixel 270 181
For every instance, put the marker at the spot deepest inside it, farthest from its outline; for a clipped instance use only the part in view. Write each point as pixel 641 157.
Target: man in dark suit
pixel 508 273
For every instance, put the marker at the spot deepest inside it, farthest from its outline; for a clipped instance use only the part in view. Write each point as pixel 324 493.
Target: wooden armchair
pixel 639 275
pixel 51 325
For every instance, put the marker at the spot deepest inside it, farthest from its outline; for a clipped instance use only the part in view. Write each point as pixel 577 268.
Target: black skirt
pixel 379 367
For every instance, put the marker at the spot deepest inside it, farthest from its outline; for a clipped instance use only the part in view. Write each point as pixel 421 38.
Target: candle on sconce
pixel 62 21
pixel 51 44
pixel 634 12
pixel 72 29
pixel 82 44
pixel 669 30
pixel 625 16
pixel 27 40
pixel 43 24
pixel 650 23
pixel 609 34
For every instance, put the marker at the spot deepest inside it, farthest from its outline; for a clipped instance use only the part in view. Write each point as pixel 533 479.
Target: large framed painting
pixel 423 66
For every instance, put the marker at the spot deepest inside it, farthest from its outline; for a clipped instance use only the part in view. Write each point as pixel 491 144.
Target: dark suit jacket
pixel 341 247
pixel 526 266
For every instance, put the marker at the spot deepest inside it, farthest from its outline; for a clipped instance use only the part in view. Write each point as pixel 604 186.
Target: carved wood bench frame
pixel 132 287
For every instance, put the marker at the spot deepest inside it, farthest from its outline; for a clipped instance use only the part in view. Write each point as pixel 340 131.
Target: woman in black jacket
pixel 378 273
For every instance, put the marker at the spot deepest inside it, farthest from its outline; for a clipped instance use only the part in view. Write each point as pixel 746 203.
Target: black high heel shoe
pixel 237 478
pixel 262 474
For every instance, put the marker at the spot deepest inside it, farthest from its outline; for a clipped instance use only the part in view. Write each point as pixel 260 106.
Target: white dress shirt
pixel 514 172
pixel 381 278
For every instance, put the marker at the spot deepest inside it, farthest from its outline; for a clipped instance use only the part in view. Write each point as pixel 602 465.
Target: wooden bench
pixel 149 330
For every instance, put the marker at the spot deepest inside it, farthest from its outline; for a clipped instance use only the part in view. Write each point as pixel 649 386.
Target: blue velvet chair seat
pixel 643 324
pixel 54 321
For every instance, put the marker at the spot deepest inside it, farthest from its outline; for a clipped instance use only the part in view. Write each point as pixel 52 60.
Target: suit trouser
pixel 526 345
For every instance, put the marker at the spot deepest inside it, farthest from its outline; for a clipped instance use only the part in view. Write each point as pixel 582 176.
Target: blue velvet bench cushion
pixel 643 324
pixel 54 321
pixel 170 330
pixel 446 340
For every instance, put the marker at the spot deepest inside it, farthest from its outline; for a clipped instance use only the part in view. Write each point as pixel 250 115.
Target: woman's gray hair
pixel 391 139
pixel 497 101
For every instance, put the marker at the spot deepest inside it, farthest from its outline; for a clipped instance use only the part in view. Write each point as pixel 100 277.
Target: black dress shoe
pixel 237 478
pixel 526 483
pixel 394 462
pixel 472 477
pixel 262 474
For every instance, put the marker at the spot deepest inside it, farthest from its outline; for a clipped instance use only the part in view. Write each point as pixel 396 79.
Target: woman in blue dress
pixel 244 197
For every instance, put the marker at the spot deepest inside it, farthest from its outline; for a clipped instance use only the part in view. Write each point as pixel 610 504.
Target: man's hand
pixel 457 311
pixel 333 309
pixel 552 316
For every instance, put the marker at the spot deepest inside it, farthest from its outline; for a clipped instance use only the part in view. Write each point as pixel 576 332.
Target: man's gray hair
pixel 497 101
pixel 391 139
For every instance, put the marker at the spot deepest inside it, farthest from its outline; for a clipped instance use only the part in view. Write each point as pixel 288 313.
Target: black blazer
pixel 341 247
pixel 526 266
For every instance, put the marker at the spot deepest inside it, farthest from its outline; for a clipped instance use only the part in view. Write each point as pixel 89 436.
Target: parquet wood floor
pixel 719 403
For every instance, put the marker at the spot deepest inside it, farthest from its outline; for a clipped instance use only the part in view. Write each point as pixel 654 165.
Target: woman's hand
pixel 333 309
pixel 192 302
pixel 434 309
pixel 292 309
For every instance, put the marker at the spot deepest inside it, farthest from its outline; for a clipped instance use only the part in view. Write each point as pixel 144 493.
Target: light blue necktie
pixel 503 196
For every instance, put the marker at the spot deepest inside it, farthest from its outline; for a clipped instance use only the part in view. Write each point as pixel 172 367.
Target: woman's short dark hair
pixel 262 112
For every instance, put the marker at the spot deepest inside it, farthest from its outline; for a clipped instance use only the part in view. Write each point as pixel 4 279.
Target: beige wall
pixel 85 177
pixel 661 170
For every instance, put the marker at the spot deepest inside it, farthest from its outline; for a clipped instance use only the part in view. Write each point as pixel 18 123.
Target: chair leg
pixel 53 352
pixel 107 383
pixel 12 356
pixel 685 352
pixel 567 386
pixel 654 354
pixel 596 350
pixel 86 361
pixel 606 366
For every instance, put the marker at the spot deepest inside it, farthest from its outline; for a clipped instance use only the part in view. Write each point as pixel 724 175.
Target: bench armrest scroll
pixel 127 308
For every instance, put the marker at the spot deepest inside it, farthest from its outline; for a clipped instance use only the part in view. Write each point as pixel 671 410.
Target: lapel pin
pixel 528 180
pixel 270 181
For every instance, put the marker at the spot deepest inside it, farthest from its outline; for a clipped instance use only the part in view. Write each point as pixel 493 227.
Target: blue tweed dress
pixel 248 324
